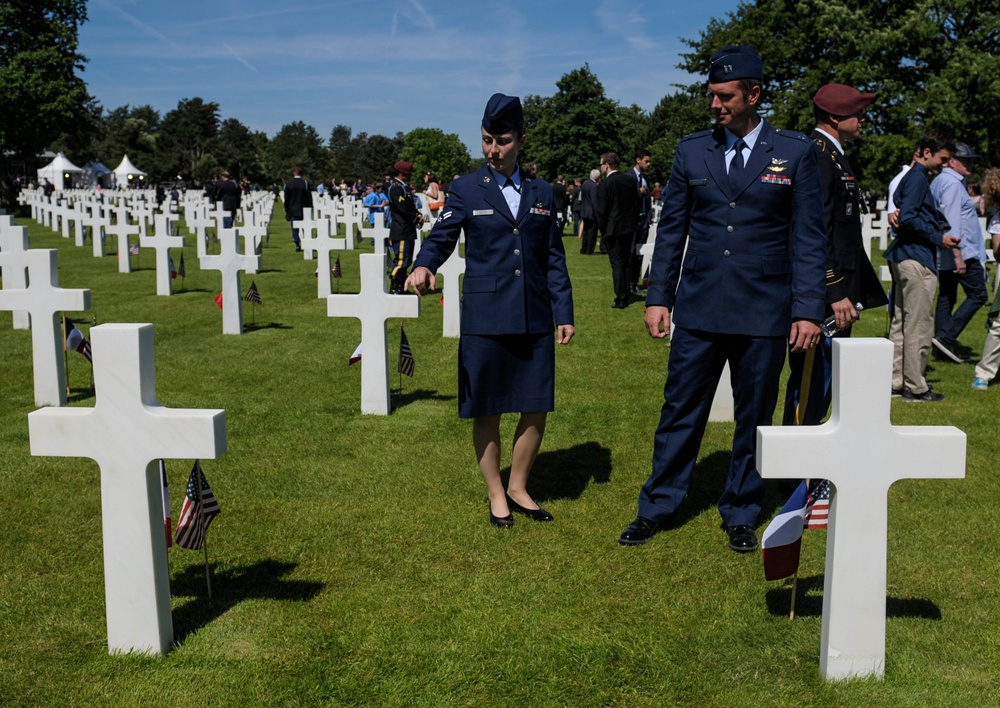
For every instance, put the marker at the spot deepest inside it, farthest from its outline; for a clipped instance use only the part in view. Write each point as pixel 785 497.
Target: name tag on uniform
pixel 482 212
pixel 539 210
pixel 697 182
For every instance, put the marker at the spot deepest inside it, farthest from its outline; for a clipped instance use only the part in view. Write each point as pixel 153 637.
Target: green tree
pixel 237 151
pixel 343 152
pixel 297 144
pixel 189 138
pixel 681 113
pixel 377 155
pixel 567 132
pixel 433 150
pixel 40 91
pixel 132 132
pixel 933 64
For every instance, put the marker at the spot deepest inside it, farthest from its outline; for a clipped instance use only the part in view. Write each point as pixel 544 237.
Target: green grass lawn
pixel 353 562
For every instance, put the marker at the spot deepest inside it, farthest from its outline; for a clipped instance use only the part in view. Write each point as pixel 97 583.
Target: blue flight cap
pixel 503 114
pixel 735 62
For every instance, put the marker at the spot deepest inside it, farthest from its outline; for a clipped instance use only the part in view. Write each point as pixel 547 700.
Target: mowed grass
pixel 353 562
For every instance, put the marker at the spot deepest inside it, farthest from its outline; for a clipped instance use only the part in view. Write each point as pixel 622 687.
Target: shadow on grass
pixel 185 291
pixel 565 474
pixel 270 325
pixel 263 580
pixel 707 484
pixel 421 394
pixel 270 270
pixel 809 602
pixel 80 394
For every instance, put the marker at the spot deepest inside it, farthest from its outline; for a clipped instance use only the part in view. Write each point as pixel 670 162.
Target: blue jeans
pixel 949 322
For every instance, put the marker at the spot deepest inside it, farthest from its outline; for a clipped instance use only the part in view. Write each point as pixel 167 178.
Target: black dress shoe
pixel 742 539
pixel 638 532
pixel 502 521
pixel 538 514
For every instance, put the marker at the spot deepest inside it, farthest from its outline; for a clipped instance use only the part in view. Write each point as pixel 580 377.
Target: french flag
pixel 782 540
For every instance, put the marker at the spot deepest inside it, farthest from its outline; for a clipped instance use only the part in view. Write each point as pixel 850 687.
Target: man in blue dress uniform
pixel 516 291
pixel 741 219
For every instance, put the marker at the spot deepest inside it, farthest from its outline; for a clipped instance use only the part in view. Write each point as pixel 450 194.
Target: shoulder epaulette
pixel 699 134
pixel 793 134
pixel 820 143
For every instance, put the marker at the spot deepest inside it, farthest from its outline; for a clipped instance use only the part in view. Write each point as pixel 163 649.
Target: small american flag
pixel 337 273
pixel 173 269
pixel 181 271
pixel 406 363
pixel 77 342
pixel 198 511
pixel 253 294
pixel 818 504
pixel 134 249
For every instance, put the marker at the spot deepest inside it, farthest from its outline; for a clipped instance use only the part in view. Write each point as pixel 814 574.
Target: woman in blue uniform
pixel 516 291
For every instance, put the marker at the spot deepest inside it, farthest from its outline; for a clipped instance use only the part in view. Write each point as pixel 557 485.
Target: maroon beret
pixel 841 100
pixel 403 168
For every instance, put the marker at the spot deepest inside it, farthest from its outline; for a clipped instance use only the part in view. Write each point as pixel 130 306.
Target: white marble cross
pixel 98 224
pixel 321 244
pixel 14 244
pixel 451 269
pixel 122 229
pixel 230 262
pixel 162 241
pixel 862 454
pixel 43 299
pixel 373 306
pixel 126 433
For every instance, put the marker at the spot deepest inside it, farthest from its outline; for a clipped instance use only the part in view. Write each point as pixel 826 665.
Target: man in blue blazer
pixel 740 263
pixel 516 291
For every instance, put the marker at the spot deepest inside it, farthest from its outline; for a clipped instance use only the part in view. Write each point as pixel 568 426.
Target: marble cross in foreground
pixel 126 433
pixel 373 306
pixel 862 454
pixel 43 300
pixel 451 269
pixel 230 262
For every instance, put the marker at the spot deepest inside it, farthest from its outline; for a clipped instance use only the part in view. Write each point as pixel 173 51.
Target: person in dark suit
pixel 617 206
pixel 515 292
pixel 588 213
pixel 560 200
pixel 403 229
pixel 297 198
pixel 644 197
pixel 850 277
pixel 740 219
pixel 228 192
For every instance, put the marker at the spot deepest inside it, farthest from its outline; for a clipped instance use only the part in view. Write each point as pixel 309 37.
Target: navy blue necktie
pixel 736 166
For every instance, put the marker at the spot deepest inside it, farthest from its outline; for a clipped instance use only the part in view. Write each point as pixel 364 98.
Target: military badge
pixel 778 161
pixel 481 212
pixel 776 168
pixel 486 179
pixel 771 178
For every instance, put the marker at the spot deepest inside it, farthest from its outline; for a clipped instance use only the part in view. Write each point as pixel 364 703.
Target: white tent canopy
pixel 127 174
pixel 59 172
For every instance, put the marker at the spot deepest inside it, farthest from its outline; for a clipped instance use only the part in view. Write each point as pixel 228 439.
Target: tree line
pixel 932 63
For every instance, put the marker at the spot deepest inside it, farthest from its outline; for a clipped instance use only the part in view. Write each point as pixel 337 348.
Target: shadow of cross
pixel 862 454
pixel 43 299
pixel 373 306
pixel 126 433
pixel 263 580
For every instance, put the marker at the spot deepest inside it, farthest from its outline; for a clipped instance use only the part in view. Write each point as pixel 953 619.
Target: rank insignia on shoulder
pixel 486 179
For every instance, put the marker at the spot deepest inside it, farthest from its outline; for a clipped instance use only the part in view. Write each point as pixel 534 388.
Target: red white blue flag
pixel 781 543
pixel 200 507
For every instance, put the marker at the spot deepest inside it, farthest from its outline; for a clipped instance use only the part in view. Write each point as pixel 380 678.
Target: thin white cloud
pixel 625 21
pixel 240 59
pixel 138 24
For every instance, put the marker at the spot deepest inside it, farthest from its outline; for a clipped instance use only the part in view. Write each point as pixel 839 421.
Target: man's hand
pixel 565 333
pixel 844 313
pixel 959 263
pixel 657 321
pixel 804 335
pixel 893 219
pixel 949 241
pixel 419 280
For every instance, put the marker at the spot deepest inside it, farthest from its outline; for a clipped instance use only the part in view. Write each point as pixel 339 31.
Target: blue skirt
pixel 512 373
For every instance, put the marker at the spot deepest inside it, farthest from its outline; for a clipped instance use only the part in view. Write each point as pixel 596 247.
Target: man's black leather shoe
pixel 742 539
pixel 638 532
pixel 538 514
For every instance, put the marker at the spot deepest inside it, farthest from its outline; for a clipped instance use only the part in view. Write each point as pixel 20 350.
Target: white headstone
pixel 373 306
pixel 162 241
pixel 126 433
pixel 14 244
pixel 122 229
pixel 230 262
pixel 451 269
pixel 321 244
pixel 723 405
pixel 862 454
pixel 43 299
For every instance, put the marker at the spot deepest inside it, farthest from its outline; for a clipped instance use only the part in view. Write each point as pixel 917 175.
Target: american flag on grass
pixel 167 521
pixel 200 507
pixel 253 294
pixel 181 271
pixel 77 342
pixel 336 271
pixel 406 363
pixel 173 269
pixel 818 504
pixel 134 249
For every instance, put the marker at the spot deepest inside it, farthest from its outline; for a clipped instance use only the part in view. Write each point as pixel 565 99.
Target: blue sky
pixel 379 66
